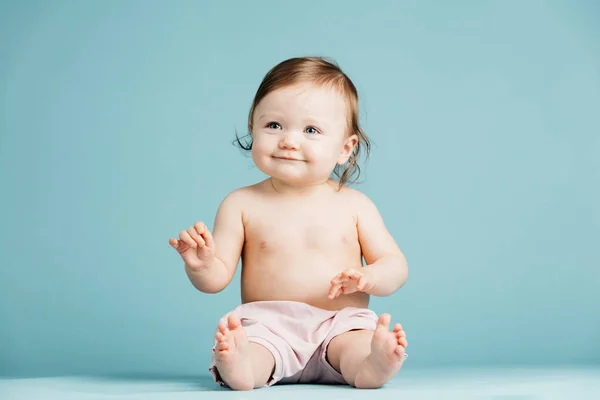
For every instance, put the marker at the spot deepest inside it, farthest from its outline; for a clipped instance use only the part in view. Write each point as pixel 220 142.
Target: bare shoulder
pixel 239 200
pixel 357 201
pixel 245 193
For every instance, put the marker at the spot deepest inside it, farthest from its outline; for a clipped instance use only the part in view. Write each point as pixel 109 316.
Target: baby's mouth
pixel 287 158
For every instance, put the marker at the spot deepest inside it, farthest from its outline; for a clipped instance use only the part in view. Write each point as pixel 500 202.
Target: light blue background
pixel 117 118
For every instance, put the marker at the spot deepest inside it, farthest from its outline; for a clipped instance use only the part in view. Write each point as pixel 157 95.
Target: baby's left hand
pixel 350 281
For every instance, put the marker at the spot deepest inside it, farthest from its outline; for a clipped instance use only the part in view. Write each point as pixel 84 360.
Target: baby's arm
pixel 228 237
pixel 386 263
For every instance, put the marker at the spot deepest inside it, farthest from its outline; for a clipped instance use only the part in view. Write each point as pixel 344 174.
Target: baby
pixel 302 237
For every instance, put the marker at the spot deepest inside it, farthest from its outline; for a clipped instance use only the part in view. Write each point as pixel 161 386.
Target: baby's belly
pixel 303 279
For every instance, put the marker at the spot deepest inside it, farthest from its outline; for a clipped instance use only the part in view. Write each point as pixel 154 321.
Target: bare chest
pixel 277 229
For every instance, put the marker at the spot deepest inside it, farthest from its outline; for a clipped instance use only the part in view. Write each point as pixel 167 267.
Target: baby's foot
pixel 386 358
pixel 231 356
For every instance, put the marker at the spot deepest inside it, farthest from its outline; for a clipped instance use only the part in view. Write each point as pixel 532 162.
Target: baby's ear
pixel 347 149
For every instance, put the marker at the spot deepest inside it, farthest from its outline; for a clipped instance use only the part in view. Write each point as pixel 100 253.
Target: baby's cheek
pixel 259 147
pixel 326 157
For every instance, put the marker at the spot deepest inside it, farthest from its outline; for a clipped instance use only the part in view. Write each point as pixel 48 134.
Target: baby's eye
pixel 311 130
pixel 274 125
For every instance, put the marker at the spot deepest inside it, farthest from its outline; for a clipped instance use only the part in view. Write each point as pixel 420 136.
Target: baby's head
pixel 304 123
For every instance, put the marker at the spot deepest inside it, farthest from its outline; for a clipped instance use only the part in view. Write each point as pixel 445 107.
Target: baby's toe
pixel 383 322
pixel 233 321
pixel 400 350
pixel 403 342
pixel 222 328
pixel 221 346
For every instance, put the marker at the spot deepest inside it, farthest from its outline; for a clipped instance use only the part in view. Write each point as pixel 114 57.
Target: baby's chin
pixel 284 172
pixel 300 181
pixel 293 173
pixel 292 180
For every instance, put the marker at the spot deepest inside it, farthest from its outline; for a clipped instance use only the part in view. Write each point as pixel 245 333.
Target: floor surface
pixel 565 383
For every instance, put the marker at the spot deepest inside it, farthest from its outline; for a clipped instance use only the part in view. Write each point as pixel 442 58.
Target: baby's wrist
pixel 201 267
pixel 370 276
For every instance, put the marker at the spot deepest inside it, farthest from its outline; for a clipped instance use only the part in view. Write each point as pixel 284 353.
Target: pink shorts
pixel 297 336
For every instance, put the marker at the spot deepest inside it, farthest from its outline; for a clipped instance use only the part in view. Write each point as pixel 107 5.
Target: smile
pixel 287 158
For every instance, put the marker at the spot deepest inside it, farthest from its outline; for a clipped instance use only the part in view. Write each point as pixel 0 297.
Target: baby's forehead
pixel 310 89
pixel 312 98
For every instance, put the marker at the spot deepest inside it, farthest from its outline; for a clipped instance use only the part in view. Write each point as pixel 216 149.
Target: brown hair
pixel 320 71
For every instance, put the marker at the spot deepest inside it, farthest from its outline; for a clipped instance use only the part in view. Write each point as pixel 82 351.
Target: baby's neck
pixel 285 188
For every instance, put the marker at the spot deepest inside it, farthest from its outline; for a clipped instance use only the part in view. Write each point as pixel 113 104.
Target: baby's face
pixel 300 133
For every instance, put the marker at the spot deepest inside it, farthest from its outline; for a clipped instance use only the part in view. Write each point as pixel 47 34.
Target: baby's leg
pixel 242 365
pixel 368 359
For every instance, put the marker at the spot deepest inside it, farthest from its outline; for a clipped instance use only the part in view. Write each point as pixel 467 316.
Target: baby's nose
pixel 288 141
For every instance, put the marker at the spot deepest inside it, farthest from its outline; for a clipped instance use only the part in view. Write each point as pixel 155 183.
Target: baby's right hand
pixel 195 246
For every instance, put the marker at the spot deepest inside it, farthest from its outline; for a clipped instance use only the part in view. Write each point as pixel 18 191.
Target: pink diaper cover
pixel 297 335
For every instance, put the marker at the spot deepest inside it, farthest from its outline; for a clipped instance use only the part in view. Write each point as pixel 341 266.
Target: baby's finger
pixel 332 292
pixel 337 279
pixel 200 227
pixel 179 245
pixel 196 237
pixel 349 273
pixel 360 276
pixel 348 289
pixel 208 238
pixel 186 238
pixel 205 233
pixel 362 281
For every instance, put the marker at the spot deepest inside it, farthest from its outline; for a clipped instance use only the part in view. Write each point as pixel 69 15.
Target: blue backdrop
pixel 116 123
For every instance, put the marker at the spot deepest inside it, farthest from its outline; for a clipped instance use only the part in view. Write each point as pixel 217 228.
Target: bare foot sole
pixel 231 355
pixel 386 358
